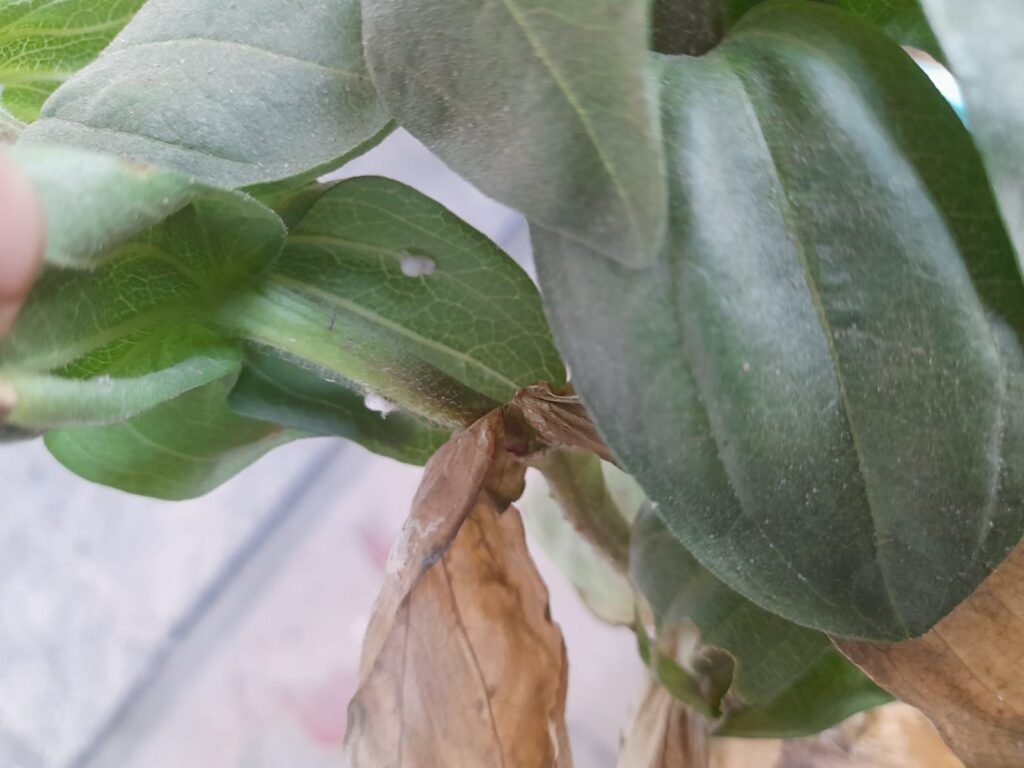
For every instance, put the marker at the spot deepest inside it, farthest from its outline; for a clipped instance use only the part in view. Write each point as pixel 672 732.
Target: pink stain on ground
pixel 322 710
pixel 376 545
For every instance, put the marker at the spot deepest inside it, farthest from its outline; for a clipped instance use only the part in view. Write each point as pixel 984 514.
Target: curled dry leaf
pixel 665 734
pixel 560 420
pixel 462 666
pixel 965 674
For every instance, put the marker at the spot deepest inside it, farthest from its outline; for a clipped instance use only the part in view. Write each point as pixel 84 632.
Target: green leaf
pixel 821 378
pixel 94 202
pixel 177 273
pixel 388 289
pixel 694 27
pixel 788 681
pixel 381 289
pixel 829 692
pixel 282 392
pixel 234 95
pixel 547 111
pixel 985 48
pixel 178 450
pixel 45 401
pixel 44 42
pixel 903 20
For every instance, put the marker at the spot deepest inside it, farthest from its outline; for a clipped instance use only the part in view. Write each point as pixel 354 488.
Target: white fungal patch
pixel 378 404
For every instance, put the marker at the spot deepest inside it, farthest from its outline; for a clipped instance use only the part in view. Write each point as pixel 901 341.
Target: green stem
pixel 276 317
pixel 577 483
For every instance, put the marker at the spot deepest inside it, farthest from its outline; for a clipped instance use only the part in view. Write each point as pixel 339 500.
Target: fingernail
pixel 21 240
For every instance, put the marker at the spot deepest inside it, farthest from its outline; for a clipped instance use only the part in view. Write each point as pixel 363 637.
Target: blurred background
pixel 225 632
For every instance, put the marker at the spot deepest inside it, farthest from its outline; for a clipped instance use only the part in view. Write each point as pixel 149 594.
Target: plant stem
pixel 691 27
pixel 577 483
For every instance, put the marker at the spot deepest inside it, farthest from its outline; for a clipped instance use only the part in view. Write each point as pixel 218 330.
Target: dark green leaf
pixel 232 94
pixel 276 390
pixel 178 450
pixel 695 26
pixel 44 42
pixel 821 378
pixel 903 20
pixel 386 288
pixel 547 110
pixel 984 42
pixel 788 680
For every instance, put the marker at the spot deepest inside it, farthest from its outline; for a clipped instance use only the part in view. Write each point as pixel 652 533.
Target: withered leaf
pixel 893 736
pixel 965 674
pixel 664 734
pixel 560 420
pixel 462 666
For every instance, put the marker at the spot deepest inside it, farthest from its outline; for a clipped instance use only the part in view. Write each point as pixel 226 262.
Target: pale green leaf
pixel 44 42
pixel 984 42
pixel 821 378
pixel 94 202
pixel 545 108
pixel 232 94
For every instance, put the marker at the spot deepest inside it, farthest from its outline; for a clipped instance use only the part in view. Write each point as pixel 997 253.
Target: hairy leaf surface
pixel 94 202
pixel 232 94
pixel 44 42
pixel 544 108
pixel 820 379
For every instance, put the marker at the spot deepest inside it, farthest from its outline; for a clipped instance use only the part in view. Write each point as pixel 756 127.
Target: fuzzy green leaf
pixel 545 109
pixel 821 379
pixel 44 42
pixel 93 202
pixel 232 94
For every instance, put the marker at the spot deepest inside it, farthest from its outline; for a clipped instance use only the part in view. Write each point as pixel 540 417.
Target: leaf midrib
pixel 336 302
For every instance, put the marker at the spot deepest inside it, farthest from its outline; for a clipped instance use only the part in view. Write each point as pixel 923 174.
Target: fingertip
pixel 22 240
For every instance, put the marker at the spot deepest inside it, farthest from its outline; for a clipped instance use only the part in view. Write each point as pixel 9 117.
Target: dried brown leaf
pixel 664 734
pixel 462 666
pixel 560 420
pixel 893 736
pixel 966 673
